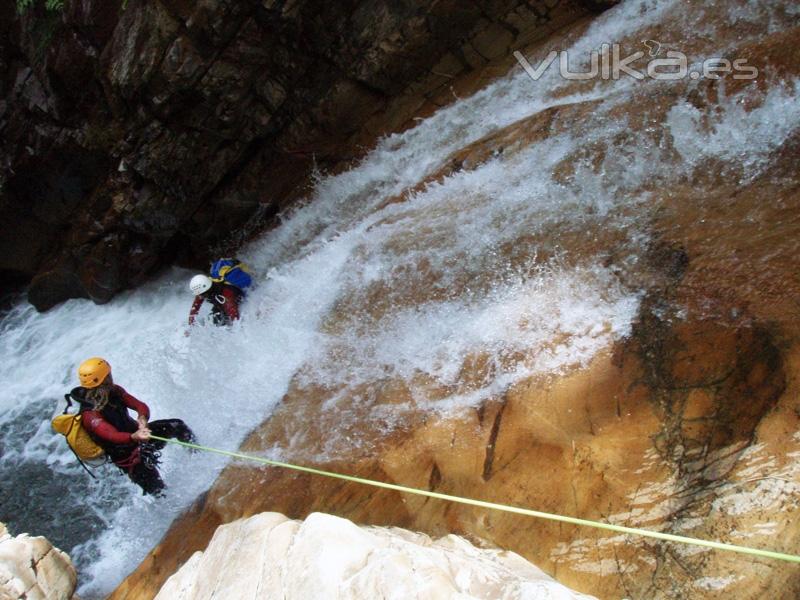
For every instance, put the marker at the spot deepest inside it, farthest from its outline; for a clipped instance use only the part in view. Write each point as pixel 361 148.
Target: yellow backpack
pixel 84 447
pixel 78 439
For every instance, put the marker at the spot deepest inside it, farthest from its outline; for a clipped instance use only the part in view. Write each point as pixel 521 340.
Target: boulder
pixel 32 569
pixel 326 557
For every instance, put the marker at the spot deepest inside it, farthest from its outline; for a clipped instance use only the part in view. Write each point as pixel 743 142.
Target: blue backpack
pixel 233 272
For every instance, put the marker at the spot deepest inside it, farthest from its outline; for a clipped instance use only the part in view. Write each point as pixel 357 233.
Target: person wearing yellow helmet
pixel 104 409
pixel 93 372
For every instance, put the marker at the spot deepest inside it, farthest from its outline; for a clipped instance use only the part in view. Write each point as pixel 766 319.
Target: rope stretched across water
pixel 495 506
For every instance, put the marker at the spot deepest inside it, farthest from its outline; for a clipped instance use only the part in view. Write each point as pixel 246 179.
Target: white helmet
pixel 200 284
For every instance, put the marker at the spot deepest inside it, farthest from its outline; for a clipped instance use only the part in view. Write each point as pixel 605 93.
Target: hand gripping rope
pixel 504 507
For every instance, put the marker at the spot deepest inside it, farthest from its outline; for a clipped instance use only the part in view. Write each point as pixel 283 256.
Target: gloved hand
pixel 141 435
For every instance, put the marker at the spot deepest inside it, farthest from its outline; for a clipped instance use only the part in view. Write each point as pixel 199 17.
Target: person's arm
pixel 104 430
pixel 231 305
pixel 198 302
pixel 142 410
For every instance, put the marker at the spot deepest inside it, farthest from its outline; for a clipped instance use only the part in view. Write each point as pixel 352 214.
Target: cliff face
pixel 688 424
pixel 154 131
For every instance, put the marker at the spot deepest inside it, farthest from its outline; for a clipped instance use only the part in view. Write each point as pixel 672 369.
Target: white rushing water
pixel 351 290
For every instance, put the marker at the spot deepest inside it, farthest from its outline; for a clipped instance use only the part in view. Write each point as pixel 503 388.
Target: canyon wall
pixel 150 132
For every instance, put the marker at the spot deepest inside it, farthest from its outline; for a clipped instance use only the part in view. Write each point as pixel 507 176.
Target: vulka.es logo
pixel 608 63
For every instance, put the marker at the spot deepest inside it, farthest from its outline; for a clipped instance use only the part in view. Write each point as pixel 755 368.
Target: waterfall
pixel 529 261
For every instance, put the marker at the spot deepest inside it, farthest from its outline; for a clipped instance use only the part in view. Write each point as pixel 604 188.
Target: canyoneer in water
pixel 104 416
pixel 224 290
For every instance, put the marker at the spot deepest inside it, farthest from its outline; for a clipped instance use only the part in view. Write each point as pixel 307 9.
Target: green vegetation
pixel 43 31
pixel 45 25
pixel 50 5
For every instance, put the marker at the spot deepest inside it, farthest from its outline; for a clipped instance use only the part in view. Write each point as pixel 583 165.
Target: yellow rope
pixel 504 507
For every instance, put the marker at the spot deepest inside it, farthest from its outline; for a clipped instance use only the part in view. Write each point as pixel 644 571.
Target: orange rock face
pixel 687 424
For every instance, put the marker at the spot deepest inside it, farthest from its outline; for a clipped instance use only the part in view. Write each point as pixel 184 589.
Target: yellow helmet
pixel 93 372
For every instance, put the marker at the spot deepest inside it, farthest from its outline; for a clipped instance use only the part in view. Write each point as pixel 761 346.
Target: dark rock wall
pixel 141 135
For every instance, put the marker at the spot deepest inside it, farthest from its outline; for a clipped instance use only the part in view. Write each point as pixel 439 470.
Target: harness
pixel 143 453
pixel 217 300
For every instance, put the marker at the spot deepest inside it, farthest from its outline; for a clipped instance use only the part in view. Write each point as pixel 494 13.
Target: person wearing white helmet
pixel 223 298
pixel 200 284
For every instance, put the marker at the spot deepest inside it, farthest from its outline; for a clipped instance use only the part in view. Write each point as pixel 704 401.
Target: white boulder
pixel 32 569
pixel 326 557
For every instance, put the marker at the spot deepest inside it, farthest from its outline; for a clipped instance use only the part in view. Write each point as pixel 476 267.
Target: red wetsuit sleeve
pixel 231 305
pixel 198 302
pixel 133 403
pixel 97 425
